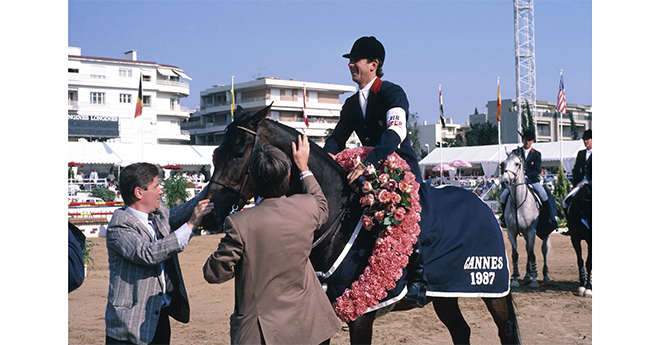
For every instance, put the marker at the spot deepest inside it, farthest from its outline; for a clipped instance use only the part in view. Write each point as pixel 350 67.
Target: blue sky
pixel 463 45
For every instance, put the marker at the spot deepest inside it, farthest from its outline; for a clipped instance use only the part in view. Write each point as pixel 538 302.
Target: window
pixel 73 70
pixel 126 72
pixel 124 98
pixel 97 97
pixel 146 101
pixel 146 77
pixel 97 72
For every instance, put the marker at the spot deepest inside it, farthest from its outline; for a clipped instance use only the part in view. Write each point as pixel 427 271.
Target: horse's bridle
pixel 246 178
pixel 516 183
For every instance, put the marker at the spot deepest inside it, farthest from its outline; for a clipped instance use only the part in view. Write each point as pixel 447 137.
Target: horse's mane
pixel 315 149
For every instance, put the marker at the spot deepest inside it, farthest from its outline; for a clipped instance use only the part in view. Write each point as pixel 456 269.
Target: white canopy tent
pixel 117 153
pixel 488 156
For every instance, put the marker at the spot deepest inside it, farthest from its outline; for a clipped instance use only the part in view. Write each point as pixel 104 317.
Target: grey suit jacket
pixel 278 298
pixel 134 258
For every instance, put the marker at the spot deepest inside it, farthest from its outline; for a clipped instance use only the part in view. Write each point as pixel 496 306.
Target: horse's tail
pixel 512 322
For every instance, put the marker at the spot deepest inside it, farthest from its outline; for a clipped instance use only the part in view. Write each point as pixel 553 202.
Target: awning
pixel 167 71
pixel 183 75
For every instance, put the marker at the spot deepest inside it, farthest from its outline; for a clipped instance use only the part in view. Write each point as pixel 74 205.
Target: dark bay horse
pixel 578 218
pixel 230 189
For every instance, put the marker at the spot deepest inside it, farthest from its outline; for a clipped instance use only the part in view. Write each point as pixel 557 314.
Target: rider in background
pixel 378 113
pixel 532 159
pixel 581 169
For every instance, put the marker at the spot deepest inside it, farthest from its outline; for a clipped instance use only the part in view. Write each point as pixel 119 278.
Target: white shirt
pixel 364 96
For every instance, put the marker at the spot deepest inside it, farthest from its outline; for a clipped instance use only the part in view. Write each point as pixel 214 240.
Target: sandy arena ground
pixel 551 314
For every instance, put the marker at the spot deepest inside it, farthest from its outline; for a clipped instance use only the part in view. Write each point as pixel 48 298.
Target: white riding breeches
pixel 538 188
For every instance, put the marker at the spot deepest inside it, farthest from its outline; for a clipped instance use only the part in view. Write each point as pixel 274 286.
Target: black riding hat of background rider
pixel 367 47
pixel 586 135
pixel 529 135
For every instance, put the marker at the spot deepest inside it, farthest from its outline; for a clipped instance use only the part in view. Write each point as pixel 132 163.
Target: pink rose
pixel 399 213
pixel 395 197
pixel 383 178
pixel 383 196
pixel 367 222
pixel 390 185
pixel 366 187
pixel 379 215
pixel 370 169
pixel 368 200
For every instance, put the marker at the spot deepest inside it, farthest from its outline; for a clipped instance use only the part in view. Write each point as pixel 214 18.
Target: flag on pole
pixel 138 103
pixel 305 106
pixel 561 97
pixel 233 99
pixel 442 112
pixel 499 102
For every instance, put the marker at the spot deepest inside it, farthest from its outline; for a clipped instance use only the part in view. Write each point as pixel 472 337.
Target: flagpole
pixel 561 127
pixel 442 130
pixel 233 99
pixel 499 130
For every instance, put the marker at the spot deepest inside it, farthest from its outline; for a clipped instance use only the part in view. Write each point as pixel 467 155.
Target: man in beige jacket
pixel 278 299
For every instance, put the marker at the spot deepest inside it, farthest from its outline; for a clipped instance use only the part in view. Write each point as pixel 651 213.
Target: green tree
pixel 481 134
pixel 527 119
pixel 562 186
pixel 575 135
pixel 413 133
pixel 174 188
pixel 104 193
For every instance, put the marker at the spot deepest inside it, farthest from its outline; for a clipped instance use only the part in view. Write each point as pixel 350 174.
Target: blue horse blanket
pixel 462 247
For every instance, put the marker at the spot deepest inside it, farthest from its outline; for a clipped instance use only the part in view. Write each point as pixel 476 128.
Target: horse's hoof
pixel 514 283
pixel 588 293
pixel 581 291
pixel 534 284
pixel 546 279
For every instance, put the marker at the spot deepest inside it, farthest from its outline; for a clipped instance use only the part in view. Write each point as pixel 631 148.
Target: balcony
pixel 178 87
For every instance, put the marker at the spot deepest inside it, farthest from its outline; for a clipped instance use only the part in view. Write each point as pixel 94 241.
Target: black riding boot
pixel 502 220
pixel 416 295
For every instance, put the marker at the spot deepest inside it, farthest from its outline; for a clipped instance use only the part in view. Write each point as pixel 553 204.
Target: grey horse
pixel 521 217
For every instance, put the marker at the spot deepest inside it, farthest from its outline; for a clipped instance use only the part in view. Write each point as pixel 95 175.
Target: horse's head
pixel 229 188
pixel 514 169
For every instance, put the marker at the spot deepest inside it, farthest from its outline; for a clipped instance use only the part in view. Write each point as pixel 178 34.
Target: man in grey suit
pixel 146 285
pixel 266 249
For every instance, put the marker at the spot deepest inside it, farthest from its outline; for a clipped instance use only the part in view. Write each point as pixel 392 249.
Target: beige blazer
pixel 278 298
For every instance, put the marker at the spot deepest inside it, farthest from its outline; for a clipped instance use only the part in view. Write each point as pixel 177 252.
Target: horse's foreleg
pixel 361 329
pixel 544 248
pixel 575 241
pixel 514 258
pixel 588 286
pixel 531 273
pixel 450 314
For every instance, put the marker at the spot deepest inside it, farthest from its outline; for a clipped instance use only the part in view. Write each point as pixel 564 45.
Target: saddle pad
pixel 462 247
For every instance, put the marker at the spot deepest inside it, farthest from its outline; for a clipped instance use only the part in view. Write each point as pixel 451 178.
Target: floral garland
pixel 391 202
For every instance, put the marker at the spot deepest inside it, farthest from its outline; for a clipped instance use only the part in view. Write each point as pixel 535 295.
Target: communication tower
pixel 525 61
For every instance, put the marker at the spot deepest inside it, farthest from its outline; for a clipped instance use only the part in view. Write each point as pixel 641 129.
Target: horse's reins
pixel 240 193
pixel 512 192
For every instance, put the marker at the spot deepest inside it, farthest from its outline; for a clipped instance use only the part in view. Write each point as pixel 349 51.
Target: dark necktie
pixel 168 283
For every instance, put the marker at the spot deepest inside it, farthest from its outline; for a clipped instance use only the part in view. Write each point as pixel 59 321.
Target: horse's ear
pixel 259 117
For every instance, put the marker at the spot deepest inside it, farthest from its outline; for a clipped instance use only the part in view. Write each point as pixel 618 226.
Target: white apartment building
pixel 207 125
pixel 430 135
pixel 548 122
pixel 102 96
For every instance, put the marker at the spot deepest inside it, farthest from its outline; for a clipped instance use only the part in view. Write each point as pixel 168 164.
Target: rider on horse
pixel 378 113
pixel 532 159
pixel 581 169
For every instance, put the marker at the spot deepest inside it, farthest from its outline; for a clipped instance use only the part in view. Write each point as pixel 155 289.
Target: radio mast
pixel 525 61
